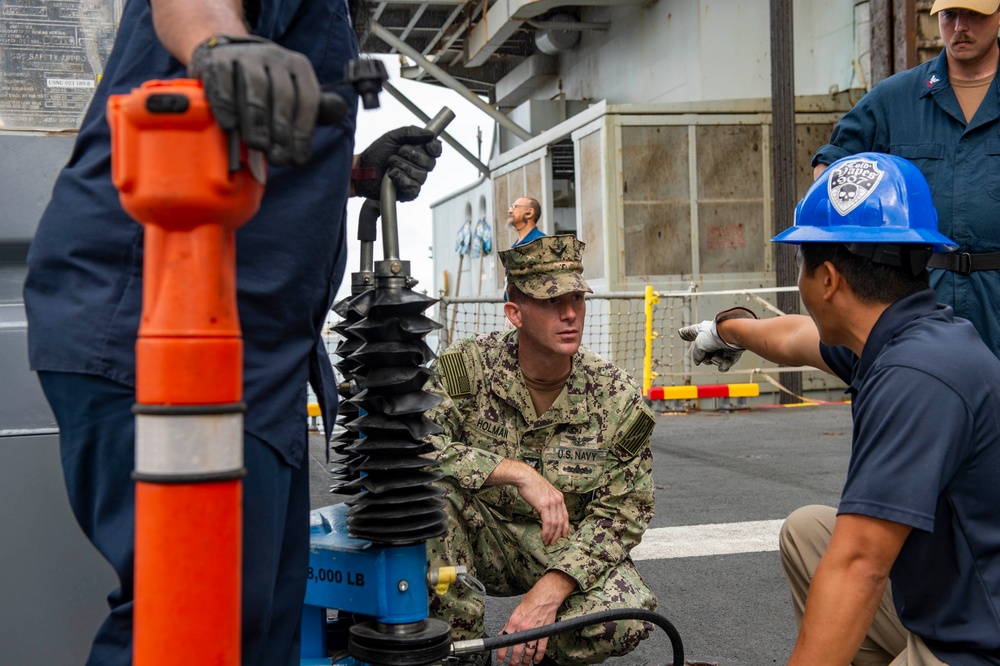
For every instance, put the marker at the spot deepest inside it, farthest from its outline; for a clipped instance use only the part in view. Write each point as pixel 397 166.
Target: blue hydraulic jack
pixel 367 556
pixel 385 584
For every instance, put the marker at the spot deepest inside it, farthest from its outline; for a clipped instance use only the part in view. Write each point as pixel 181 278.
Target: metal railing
pixel 637 330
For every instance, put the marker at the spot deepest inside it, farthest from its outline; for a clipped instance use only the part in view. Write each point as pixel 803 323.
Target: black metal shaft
pixel 783 164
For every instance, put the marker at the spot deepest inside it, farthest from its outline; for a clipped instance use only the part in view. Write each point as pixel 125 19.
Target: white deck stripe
pixel 756 536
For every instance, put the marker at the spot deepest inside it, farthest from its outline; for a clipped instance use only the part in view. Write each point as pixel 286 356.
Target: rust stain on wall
pixel 726 237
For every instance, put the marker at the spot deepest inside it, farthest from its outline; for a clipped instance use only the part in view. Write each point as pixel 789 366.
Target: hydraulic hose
pixel 506 640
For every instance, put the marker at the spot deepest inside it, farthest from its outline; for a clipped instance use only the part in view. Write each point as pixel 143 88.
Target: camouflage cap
pixel 548 267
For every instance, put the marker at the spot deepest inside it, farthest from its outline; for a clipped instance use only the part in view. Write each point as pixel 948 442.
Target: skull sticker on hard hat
pixel 851 183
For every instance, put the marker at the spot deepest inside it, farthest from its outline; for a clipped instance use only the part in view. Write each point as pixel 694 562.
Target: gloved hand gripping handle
pixel 387 194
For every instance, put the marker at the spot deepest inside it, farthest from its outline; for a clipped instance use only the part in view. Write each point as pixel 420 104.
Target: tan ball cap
pixel 986 7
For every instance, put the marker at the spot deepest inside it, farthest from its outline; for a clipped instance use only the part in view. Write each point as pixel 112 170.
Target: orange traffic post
pixel 171 165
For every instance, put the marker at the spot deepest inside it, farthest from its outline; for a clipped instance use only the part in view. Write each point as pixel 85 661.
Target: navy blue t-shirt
pixel 926 453
pixel 83 293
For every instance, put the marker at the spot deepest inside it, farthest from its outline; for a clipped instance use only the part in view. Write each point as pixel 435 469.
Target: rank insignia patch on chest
pixel 851 183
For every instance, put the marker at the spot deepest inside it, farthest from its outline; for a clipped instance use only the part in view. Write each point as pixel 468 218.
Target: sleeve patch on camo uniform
pixel 633 439
pixel 452 366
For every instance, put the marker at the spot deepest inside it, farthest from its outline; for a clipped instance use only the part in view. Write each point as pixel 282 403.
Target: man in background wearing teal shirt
pixel 523 216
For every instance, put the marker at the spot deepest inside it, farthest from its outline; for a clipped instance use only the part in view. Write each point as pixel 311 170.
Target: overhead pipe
pixel 449 139
pixel 449 81
pixel 577 26
pixel 503 19
pixel 555 41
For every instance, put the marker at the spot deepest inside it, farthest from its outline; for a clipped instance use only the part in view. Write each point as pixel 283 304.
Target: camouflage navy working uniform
pixel 592 444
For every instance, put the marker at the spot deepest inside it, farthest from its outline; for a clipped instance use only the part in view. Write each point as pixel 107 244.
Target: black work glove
pixel 265 92
pixel 406 155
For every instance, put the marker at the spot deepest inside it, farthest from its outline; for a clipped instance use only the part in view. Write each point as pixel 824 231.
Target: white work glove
pixel 709 347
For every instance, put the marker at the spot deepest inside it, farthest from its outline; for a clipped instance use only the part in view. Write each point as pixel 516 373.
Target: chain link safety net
pixel 616 328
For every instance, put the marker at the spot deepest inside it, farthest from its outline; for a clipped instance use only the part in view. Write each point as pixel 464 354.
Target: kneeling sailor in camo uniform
pixel 547 467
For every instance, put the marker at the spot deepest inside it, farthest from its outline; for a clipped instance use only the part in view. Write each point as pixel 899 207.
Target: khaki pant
pixel 804 538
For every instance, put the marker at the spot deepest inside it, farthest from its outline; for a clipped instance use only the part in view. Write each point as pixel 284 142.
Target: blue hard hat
pixel 868 198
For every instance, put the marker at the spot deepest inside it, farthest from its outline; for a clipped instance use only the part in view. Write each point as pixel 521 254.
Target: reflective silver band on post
pixel 182 447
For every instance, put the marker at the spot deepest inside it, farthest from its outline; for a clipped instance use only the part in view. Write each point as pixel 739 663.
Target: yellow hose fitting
pixel 442 578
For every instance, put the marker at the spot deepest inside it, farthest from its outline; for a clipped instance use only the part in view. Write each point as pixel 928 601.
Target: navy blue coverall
pixel 915 114
pixel 83 299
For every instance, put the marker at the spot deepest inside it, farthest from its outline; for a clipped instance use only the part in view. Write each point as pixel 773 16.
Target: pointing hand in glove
pixel 709 347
